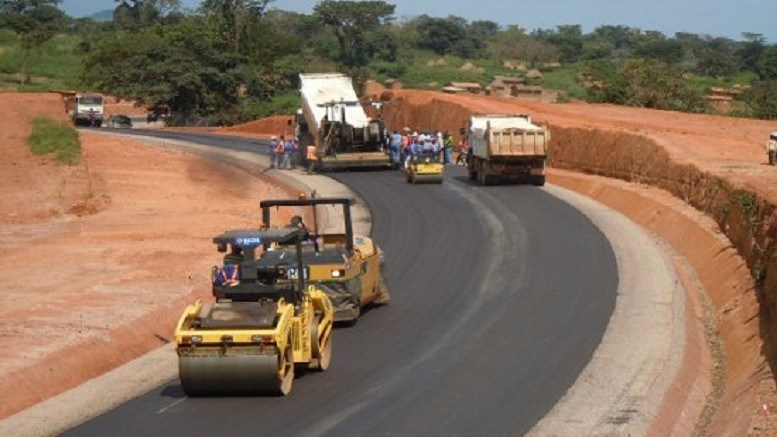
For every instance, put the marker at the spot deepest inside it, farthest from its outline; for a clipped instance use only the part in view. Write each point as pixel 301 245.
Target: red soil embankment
pixel 98 260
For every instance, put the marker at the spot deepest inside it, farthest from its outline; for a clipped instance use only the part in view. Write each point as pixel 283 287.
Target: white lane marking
pixel 171 405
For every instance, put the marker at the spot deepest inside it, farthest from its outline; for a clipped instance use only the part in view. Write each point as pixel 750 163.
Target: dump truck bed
pixel 507 137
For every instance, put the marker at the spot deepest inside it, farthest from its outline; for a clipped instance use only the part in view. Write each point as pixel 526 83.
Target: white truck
pixel 506 147
pixel 87 110
pixel 333 120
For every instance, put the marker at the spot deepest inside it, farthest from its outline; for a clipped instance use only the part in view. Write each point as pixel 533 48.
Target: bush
pixel 49 136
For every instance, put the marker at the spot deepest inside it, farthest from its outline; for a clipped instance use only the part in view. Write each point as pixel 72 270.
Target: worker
pixel 771 148
pixel 235 256
pixel 279 149
pixel 273 146
pixel 463 157
pixel 448 146
pixel 294 158
pixel 311 157
pixel 288 148
pixel 431 148
pixel 396 143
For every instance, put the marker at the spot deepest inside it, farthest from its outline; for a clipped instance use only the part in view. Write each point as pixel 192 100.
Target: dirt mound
pixel 715 164
pixel 96 303
pixel 42 187
pixel 274 125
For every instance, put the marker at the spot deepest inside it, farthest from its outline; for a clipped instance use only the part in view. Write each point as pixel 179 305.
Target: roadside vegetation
pixel 51 137
pixel 228 61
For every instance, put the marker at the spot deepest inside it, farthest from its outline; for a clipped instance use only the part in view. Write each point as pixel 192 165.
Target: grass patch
pixel 54 65
pixel 49 136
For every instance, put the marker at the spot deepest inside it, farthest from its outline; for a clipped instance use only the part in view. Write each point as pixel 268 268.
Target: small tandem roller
pixel 425 168
pixel 264 322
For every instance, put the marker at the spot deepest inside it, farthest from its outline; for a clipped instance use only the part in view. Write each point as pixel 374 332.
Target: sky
pixel 727 18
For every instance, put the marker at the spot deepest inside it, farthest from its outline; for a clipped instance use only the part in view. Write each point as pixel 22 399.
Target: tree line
pixel 231 60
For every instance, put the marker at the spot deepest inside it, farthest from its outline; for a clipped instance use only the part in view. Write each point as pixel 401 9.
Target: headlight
pixel 339 273
pixel 196 339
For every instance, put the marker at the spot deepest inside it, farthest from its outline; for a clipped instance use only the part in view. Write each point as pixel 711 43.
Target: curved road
pixel 500 295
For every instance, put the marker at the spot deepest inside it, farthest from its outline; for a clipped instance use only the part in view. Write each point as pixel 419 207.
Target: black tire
pixel 482 177
pixel 538 181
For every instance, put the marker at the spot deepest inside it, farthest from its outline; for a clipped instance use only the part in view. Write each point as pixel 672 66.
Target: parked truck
pixel 87 109
pixel 507 147
pixel 333 120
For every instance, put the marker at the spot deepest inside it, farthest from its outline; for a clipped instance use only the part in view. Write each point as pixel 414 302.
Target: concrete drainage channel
pixel 619 392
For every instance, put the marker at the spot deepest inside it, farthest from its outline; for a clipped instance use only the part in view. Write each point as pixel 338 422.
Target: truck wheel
pixel 482 178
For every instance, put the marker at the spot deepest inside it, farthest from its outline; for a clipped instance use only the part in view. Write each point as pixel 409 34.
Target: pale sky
pixel 728 18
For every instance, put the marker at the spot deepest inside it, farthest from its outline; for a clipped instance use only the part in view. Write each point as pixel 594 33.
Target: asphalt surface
pixel 500 295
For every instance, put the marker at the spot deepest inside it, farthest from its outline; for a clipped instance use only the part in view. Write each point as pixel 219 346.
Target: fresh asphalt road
pixel 500 295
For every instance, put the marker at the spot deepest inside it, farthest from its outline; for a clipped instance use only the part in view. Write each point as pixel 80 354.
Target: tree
pixel 35 21
pixel 750 51
pixel 641 82
pixel 665 50
pixel 567 38
pixel 134 15
pixel 513 44
pixel 234 17
pixel 351 22
pixel 766 67
pixel 762 99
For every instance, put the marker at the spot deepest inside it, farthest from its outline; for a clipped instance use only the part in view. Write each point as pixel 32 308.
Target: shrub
pixel 49 136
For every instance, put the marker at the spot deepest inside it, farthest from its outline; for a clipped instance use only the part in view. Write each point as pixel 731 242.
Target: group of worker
pixel 284 152
pixel 403 147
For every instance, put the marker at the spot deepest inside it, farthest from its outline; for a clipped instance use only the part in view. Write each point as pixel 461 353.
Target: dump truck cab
pixel 265 321
pixel 347 267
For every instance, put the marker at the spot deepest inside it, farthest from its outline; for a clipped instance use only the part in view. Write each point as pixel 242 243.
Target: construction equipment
pixel 507 147
pixel 333 120
pixel 265 321
pixel 425 168
pixel 347 268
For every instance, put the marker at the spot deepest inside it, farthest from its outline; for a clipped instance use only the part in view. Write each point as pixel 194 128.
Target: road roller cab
pixel 424 168
pixel 347 268
pixel 265 321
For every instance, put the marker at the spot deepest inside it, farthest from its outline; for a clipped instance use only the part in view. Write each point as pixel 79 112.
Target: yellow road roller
pixel 347 267
pixel 424 168
pixel 265 321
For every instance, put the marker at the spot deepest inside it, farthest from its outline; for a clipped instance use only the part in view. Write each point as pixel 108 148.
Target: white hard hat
pixel 273 137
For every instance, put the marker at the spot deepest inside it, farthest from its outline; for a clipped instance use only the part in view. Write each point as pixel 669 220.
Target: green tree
pixel 234 18
pixel 665 50
pixel 514 44
pixel 35 21
pixel 567 38
pixel 716 58
pixel 134 15
pixel 178 68
pixel 750 50
pixel 767 63
pixel 351 22
pixel 762 99
pixel 641 82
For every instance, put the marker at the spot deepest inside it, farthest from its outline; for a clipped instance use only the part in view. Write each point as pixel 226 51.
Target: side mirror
pixel 222 247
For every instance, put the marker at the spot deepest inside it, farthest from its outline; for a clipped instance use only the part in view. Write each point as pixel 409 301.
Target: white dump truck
pixel 87 110
pixel 333 120
pixel 507 147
